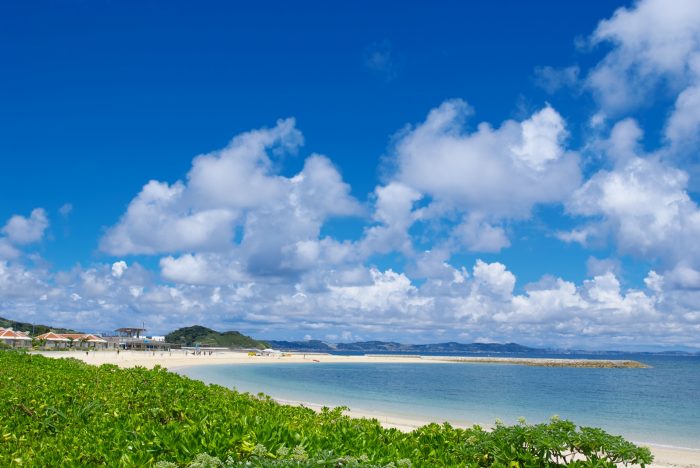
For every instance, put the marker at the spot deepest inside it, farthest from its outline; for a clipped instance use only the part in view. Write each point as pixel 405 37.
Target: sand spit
pixel 543 362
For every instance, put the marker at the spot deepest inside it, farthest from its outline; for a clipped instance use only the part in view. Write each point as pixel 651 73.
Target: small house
pixel 85 341
pixel 53 340
pixel 15 339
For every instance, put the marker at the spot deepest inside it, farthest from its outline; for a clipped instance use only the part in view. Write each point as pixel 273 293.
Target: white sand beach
pixel 667 457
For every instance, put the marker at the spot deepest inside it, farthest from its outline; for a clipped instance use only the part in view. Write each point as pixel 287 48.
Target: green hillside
pixel 29 328
pixel 189 336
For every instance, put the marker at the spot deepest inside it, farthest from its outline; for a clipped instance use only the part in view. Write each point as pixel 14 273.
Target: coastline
pixel 179 358
pixel 665 456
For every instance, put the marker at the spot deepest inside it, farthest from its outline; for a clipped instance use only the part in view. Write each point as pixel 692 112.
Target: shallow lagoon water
pixel 660 405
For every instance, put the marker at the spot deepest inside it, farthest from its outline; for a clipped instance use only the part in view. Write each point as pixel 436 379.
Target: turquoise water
pixel 660 405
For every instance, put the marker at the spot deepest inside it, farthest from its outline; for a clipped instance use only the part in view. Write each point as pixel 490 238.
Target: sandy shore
pixel 179 358
pixel 670 457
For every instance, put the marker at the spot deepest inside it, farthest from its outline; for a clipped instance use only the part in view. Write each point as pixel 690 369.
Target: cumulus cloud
pixel 7 250
pixel 479 236
pixel 381 304
pixel 279 218
pixel 118 268
pixel 21 230
pixel 643 203
pixel 600 266
pixel 468 183
pixel 652 44
pixel 503 171
pixel 394 215
pixel 653 60
pixel 202 269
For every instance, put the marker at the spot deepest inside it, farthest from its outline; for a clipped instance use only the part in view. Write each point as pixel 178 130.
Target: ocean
pixel 659 405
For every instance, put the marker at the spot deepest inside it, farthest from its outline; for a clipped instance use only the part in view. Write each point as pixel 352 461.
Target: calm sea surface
pixel 659 405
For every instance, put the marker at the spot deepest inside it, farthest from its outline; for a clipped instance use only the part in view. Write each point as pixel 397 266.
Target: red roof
pixel 82 337
pixel 10 334
pixel 51 336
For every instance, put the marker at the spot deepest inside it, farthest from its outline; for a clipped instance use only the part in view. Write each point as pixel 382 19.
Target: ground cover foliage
pixel 67 413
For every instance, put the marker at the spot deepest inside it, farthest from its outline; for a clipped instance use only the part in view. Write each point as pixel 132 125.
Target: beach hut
pixel 15 339
pixel 85 341
pixel 53 340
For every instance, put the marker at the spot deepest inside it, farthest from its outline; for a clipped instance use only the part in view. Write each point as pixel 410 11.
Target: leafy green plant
pixel 62 412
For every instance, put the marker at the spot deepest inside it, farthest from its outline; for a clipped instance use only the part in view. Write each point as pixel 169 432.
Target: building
pixel 53 340
pixel 130 332
pixel 85 341
pixel 15 339
pixel 134 338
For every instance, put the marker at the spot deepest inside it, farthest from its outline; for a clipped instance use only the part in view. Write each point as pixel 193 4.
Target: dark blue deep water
pixel 658 405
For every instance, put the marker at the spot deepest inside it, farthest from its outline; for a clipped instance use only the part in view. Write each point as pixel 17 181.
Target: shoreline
pixel 179 358
pixel 665 456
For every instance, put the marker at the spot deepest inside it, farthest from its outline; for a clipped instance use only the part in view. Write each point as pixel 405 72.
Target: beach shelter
pixel 85 340
pixel 15 339
pixel 53 340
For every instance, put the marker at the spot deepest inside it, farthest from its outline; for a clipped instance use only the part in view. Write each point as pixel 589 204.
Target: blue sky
pixel 346 171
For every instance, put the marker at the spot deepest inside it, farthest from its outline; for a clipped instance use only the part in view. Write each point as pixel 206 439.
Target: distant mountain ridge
pixel 390 346
pixel 197 334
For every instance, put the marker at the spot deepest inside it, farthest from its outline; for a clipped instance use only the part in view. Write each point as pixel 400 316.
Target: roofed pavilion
pixel 130 332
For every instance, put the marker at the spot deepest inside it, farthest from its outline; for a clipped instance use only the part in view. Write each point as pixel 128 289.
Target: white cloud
pixel 160 220
pixel 503 171
pixel 643 202
pixel 654 62
pixel 494 278
pixel 7 250
pixel 598 313
pixel 394 214
pixel 542 137
pixel 683 276
pixel 242 174
pixel 653 43
pixel 65 209
pixel 279 218
pixel 21 230
pixel 479 236
pixel 118 268
pixel 600 266
pixel 683 125
pixel 203 269
pixel 467 184
pixel 554 79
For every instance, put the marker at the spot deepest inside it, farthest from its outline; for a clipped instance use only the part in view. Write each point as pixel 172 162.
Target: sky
pixel 346 171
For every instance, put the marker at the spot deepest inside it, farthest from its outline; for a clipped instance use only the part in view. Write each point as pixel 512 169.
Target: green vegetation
pixel 29 328
pixel 67 413
pixel 189 336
